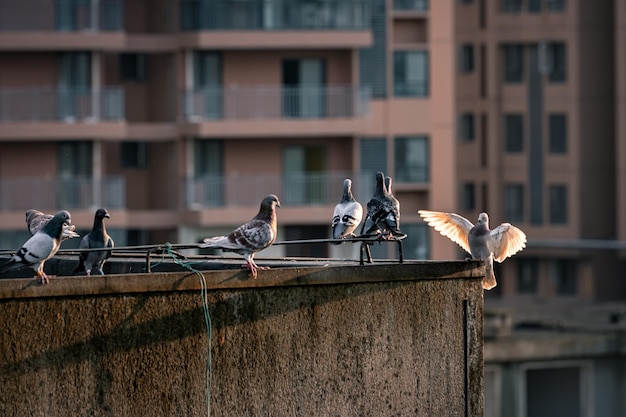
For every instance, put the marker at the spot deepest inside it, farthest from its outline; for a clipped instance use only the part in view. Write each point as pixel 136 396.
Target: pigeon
pixel 383 215
pixel 41 246
pixel 35 220
pixel 347 215
pixel 251 237
pixel 97 238
pixel 394 201
pixel 482 243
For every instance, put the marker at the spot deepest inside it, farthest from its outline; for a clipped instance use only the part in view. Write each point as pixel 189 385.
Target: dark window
pixel 133 154
pixel 313 250
pixel 468 196
pixel 558 133
pixel 527 270
pixel 534 6
pixel 558 204
pixel 545 385
pixel 410 73
pixel 133 67
pixel 466 58
pixel 412 5
pixel 564 276
pixel 466 127
pixel 412 159
pixel 416 244
pixel 555 5
pixel 557 62
pixel 513 133
pixel 514 203
pixel 513 63
pixel 512 6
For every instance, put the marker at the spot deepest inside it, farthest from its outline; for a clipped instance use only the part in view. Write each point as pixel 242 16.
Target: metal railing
pixel 62 193
pixel 275 15
pixel 61 15
pixel 61 104
pixel 275 102
pixel 292 189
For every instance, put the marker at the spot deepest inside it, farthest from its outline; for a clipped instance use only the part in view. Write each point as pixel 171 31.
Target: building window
pixel 207 100
pixel 304 87
pixel 513 133
pixel 468 196
pixel 555 5
pixel 412 159
pixel 312 250
pixel 557 62
pixel 558 204
pixel 208 181
pixel 564 276
pixel 512 6
pixel 513 63
pixel 415 246
pixel 466 127
pixel 534 6
pixel 466 58
pixel 514 203
pixel 544 382
pixel 133 67
pixel 527 270
pixel 557 124
pixel 410 73
pixel 304 175
pixel 412 5
pixel 133 154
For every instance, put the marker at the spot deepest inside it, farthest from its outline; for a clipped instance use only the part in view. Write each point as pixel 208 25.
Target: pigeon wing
pixel 37 221
pixel 250 237
pixel 450 225
pixel 505 240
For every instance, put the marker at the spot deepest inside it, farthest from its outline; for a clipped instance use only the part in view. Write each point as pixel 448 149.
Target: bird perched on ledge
pixel 35 220
pixel 347 214
pixel 498 243
pixel 97 238
pixel 42 246
pixel 383 212
pixel 251 237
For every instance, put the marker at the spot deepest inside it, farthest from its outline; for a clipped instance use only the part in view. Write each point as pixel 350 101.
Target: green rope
pixel 207 317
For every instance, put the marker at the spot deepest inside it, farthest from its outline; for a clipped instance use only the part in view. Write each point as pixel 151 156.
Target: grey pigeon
pixel 251 237
pixel 347 214
pixel 35 220
pixel 42 246
pixel 383 215
pixel 97 238
pixel 482 243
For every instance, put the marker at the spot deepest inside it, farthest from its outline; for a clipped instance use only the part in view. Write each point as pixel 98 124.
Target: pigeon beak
pixel 107 216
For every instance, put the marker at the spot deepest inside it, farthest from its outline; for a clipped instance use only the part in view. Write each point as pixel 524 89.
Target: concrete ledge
pixel 348 340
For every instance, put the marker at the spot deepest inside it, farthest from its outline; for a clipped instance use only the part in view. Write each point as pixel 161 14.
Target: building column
pixel 96 173
pixel 96 85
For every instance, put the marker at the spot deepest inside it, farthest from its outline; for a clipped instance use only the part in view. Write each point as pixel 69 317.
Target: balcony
pixel 60 15
pixel 20 194
pixel 42 112
pixel 270 15
pixel 294 189
pixel 276 110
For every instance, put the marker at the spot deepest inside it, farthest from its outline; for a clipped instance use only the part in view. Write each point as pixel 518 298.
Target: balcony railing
pixel 62 193
pixel 292 189
pixel 67 105
pixel 61 15
pixel 268 102
pixel 276 15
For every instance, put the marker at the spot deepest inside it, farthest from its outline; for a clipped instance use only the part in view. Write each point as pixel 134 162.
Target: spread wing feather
pixel 450 225
pixel 506 240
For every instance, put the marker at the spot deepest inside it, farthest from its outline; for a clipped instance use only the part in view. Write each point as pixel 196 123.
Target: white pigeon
pixel 347 214
pixel 42 246
pixel 251 237
pixel 36 219
pixel 482 243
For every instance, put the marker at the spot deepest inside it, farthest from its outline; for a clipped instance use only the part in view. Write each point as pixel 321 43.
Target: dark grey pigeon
pixel 42 246
pixel 96 239
pixel 382 214
pixel 347 214
pixel 489 245
pixel 36 220
pixel 395 204
pixel 251 237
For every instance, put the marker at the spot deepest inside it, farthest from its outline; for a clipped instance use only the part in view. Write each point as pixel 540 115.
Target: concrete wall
pixel 299 341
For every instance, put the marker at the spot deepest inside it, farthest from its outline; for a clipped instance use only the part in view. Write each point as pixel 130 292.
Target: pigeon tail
pixel 489 281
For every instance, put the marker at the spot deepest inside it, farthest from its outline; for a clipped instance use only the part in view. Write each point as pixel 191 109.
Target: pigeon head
pixel 347 190
pixel 380 183
pixel 388 183
pixel 483 218
pixel 102 213
pixel 268 205
pixel 54 227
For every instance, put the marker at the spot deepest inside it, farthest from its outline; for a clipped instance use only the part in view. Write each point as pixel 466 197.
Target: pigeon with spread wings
pixel 478 240
pixel 251 237
pixel 42 246
pixel 347 214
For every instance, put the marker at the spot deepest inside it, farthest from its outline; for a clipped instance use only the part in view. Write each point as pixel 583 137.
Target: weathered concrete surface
pixel 375 340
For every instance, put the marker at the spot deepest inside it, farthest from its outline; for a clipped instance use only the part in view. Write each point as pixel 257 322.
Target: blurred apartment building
pixel 178 116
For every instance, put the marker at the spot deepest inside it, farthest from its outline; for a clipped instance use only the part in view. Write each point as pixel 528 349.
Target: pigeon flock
pixel 380 221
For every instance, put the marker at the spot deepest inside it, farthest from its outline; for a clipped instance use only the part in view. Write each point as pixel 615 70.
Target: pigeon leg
pixel 43 277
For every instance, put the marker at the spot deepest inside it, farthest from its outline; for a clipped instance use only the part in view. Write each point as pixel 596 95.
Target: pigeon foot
pixel 45 279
